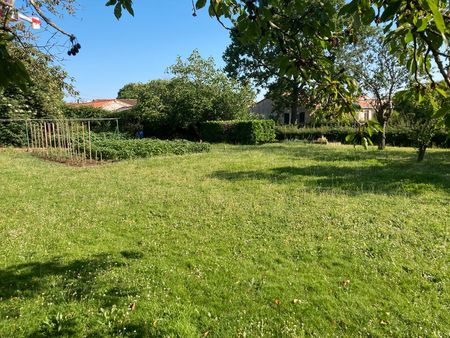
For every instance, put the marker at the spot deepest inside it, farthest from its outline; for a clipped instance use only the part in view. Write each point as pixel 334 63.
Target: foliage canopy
pixel 196 92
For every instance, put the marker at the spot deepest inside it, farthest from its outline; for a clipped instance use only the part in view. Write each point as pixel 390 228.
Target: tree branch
pixel 437 60
pixel 48 21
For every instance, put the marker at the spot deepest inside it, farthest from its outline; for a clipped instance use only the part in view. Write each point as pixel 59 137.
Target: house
pixel 265 108
pixel 111 105
pixel 367 108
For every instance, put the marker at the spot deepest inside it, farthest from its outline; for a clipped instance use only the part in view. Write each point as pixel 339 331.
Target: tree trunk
pixel 382 137
pixel 294 102
pixel 422 149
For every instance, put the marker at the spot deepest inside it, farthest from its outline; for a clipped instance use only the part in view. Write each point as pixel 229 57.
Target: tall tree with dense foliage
pixel 296 66
pixel 425 116
pixel 249 63
pixel 131 91
pixel 42 97
pixel 196 92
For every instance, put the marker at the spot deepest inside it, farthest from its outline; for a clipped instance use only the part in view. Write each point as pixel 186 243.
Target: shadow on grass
pixel 395 177
pixel 61 283
pixel 394 171
pixel 301 150
pixel 76 278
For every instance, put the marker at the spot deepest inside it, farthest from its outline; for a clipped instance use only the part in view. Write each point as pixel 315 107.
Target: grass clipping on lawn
pixel 276 240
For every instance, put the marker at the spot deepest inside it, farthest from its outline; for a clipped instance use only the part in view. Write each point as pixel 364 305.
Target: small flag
pixel 35 22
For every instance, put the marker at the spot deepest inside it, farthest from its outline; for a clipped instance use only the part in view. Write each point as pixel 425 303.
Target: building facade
pixel 265 108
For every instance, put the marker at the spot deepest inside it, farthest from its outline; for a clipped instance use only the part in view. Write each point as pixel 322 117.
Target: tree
pixel 131 91
pixel 12 32
pixel 213 95
pixel 249 63
pixel 42 97
pixel 379 74
pixel 197 92
pixel 311 72
pixel 417 31
pixel 425 117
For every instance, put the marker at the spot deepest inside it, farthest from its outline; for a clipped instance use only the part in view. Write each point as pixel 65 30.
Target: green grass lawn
pixel 276 240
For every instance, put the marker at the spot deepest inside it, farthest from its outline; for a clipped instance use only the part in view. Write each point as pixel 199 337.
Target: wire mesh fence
pixel 64 140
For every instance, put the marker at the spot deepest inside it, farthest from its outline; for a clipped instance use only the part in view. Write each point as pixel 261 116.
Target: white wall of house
pixel 265 108
pixel 366 114
pixel 116 105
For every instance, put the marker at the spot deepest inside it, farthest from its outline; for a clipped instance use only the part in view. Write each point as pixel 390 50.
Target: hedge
pixel 395 136
pixel 239 132
pixel 121 149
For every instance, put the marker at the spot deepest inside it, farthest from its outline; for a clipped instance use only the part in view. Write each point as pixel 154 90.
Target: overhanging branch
pixel 47 20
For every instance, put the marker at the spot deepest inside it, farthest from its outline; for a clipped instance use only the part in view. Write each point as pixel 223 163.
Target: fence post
pixel 28 138
pixel 90 143
pixel 84 143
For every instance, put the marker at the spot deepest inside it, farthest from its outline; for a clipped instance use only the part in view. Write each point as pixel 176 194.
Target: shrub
pixel 130 121
pixel 395 136
pixel 86 112
pixel 241 132
pixel 120 149
pixel 83 112
pixel 13 134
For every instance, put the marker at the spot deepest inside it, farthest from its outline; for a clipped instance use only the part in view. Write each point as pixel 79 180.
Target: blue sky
pixel 136 49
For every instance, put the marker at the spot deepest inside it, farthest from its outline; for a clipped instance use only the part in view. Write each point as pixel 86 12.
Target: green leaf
pixel 422 24
pixel 200 4
pixel 128 5
pixel 442 112
pixel 442 91
pixel 438 18
pixel 365 143
pixel 391 10
pixel 350 8
pixel 369 16
pixel 421 97
pixel 350 137
pixel 118 11
pixel 409 37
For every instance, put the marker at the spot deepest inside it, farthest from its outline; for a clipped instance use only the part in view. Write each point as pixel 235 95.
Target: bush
pixel 240 132
pixel 83 112
pixel 395 136
pixel 130 122
pixel 13 134
pixel 86 112
pixel 121 149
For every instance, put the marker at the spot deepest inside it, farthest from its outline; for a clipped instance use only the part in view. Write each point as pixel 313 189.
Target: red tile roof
pixel 366 102
pixel 100 103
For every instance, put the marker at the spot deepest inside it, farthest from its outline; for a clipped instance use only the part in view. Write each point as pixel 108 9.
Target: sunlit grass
pixel 276 240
